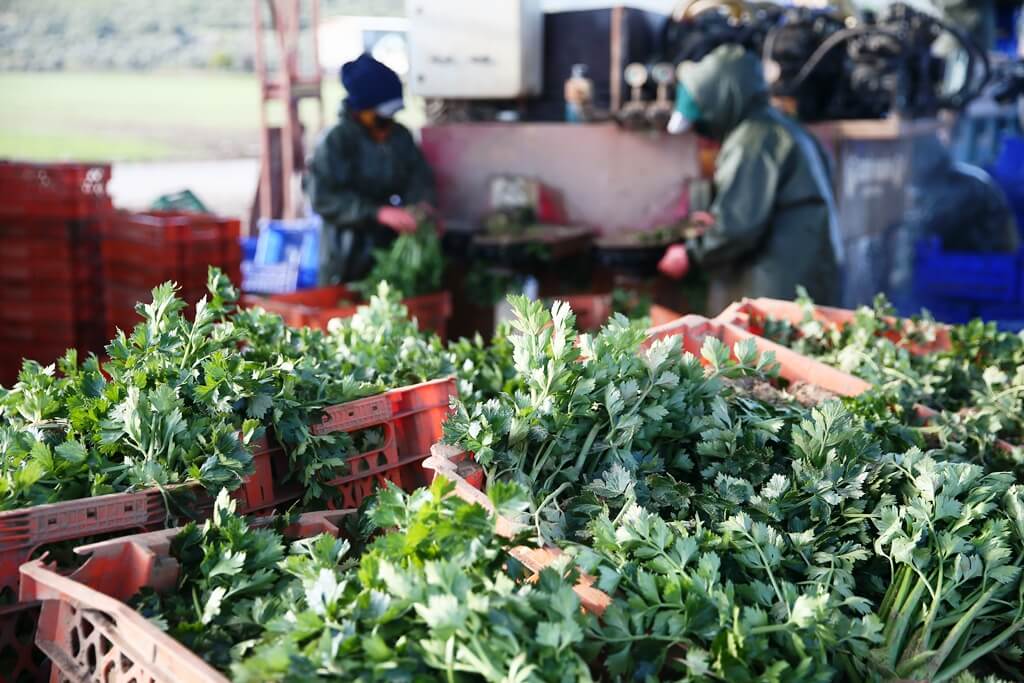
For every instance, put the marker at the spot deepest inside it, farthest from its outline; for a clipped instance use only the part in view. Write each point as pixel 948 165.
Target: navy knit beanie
pixel 370 84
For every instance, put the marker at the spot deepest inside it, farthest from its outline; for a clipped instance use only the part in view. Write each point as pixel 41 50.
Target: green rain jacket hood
pixel 773 198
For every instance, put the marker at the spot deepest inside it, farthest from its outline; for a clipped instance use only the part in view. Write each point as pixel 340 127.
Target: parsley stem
pixel 962 663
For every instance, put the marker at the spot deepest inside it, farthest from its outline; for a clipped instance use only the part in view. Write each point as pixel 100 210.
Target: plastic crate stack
pixel 143 250
pixel 51 216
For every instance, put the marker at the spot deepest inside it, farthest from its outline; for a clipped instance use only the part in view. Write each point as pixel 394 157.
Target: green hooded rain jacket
pixel 350 176
pixel 775 223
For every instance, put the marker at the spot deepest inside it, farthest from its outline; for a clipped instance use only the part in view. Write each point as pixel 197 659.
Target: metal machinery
pixel 284 82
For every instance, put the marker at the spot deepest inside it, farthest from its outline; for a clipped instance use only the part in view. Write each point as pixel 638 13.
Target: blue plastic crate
pixel 273 278
pixel 965 276
pixel 248 248
pixel 1008 172
pixel 293 241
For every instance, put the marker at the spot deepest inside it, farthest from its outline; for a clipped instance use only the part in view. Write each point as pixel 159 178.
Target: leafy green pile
pixel 413 264
pixel 484 370
pixel 598 423
pixel 872 568
pixel 977 384
pixel 439 597
pixel 744 540
pixel 182 399
pixel 634 304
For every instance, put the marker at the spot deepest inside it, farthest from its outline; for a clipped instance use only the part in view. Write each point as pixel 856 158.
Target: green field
pixel 138 116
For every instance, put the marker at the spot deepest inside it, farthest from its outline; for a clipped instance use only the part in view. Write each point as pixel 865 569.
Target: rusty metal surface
pixel 609 179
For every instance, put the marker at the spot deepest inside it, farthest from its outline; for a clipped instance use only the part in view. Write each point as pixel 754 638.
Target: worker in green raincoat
pixel 772 224
pixel 365 174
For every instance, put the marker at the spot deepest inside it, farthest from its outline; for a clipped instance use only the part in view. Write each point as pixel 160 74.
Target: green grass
pixel 141 116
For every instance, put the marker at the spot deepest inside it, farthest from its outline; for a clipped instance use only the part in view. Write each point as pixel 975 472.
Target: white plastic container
pixel 470 49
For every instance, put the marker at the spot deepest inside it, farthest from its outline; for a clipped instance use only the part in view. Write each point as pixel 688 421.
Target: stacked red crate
pixel 143 250
pixel 50 283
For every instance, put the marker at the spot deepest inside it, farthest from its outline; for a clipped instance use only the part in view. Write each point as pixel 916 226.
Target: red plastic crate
pixel 63 189
pixel 89 632
pixel 171 238
pixel 142 250
pixel 317 307
pixel 752 314
pixel 694 329
pixel 591 310
pixel 43 313
pixel 25 530
pixel 119 304
pixel 23 661
pixel 460 468
pixel 49 252
pixel 411 417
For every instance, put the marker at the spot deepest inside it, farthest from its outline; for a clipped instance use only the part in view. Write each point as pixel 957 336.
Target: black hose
pixel 829 44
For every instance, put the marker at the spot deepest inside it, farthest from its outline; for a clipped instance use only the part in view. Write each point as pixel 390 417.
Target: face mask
pixel 686 113
pixel 378 126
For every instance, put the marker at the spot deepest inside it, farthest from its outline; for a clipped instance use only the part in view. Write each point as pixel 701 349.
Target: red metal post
pixel 288 85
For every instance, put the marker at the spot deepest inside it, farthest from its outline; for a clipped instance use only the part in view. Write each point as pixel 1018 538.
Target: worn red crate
pixel 591 310
pixel 411 418
pixel 55 189
pixel 49 251
pixel 36 309
pixel 21 659
pixel 794 367
pixel 460 468
pixel 174 239
pixel 317 307
pixel 119 302
pixel 752 314
pixel 88 631
pixel 26 530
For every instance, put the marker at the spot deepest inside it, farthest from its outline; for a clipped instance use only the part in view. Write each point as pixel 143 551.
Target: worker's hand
pixel 434 215
pixel 675 263
pixel 397 219
pixel 702 219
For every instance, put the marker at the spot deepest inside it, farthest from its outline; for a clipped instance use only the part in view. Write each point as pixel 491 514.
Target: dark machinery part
pixel 1008 82
pixel 869 69
pixel 786 49
pixel 697 28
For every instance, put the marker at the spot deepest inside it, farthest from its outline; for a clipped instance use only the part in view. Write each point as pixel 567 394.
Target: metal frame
pixel 288 85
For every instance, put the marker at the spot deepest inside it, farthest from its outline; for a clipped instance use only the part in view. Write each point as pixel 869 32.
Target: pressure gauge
pixel 662 73
pixel 636 75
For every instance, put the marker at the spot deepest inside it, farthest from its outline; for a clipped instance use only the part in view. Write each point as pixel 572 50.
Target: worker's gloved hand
pixel 434 215
pixel 675 263
pixel 702 218
pixel 397 219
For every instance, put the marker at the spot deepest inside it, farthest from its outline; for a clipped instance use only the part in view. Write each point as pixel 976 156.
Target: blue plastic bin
pixel 248 248
pixel 1008 172
pixel 294 241
pixel 965 276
